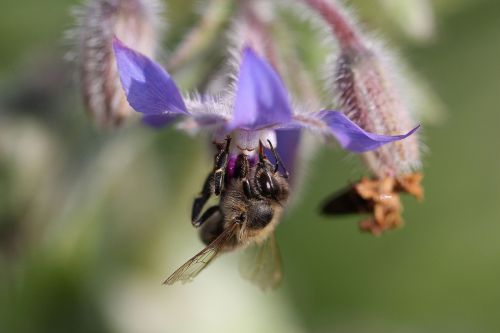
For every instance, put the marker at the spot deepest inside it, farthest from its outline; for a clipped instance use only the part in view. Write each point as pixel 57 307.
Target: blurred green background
pixel 92 222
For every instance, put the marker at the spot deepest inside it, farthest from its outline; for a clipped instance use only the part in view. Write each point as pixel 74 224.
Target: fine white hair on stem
pixel 220 105
pixel 200 105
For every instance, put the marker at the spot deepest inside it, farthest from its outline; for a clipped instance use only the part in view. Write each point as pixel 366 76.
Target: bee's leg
pixel 242 171
pixel 214 181
pixel 220 167
pixel 213 226
pixel 279 162
pixel 264 162
pixel 206 216
pixel 202 199
pixel 265 167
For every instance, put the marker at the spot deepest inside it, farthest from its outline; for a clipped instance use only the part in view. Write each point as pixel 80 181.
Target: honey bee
pixel 252 196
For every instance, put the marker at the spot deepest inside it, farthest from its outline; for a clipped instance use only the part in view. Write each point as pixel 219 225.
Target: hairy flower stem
pixel 344 31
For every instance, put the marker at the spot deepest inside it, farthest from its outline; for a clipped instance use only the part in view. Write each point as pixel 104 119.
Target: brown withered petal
pixel 379 198
pixel 135 22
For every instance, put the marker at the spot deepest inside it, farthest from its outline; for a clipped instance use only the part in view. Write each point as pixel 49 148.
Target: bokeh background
pixel 91 222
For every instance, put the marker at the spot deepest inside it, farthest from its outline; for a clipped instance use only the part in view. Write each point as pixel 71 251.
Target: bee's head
pixel 271 185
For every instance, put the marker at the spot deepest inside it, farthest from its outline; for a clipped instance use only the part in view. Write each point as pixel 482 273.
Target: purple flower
pixel 252 111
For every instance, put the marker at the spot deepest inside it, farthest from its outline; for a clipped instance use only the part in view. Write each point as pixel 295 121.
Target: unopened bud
pixel 368 97
pixel 136 23
pixel 366 86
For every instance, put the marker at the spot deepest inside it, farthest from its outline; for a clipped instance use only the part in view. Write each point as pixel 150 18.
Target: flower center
pixel 247 142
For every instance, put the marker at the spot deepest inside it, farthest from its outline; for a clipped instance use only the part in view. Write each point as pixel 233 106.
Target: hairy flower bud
pixel 136 22
pixel 365 83
pixel 370 99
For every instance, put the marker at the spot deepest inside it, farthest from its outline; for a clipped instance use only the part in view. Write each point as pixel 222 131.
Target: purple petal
pixel 160 120
pixel 287 147
pixel 261 98
pixel 148 87
pixel 350 136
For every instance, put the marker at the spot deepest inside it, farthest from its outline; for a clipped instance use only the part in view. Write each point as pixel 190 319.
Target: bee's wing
pixel 262 264
pixel 196 264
